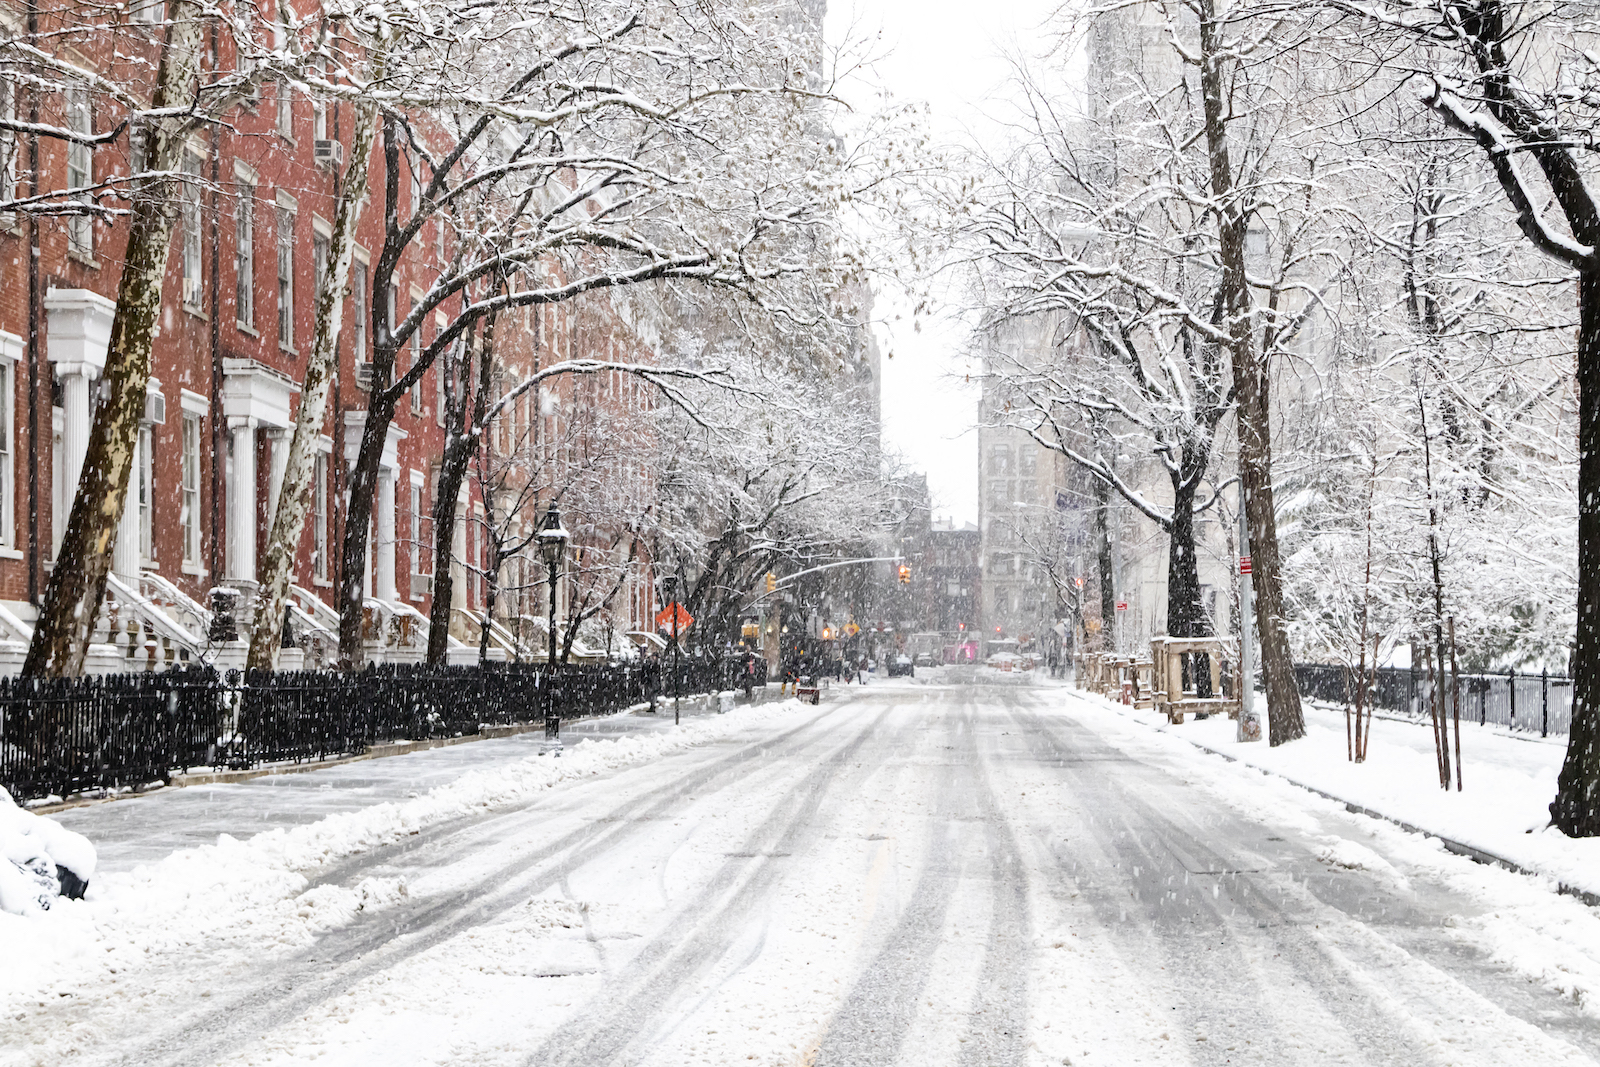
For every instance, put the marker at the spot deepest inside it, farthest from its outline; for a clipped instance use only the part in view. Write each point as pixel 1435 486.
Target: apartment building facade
pixel 250 244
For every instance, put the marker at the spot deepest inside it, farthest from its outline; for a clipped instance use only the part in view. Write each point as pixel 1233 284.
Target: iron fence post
pixel 1544 685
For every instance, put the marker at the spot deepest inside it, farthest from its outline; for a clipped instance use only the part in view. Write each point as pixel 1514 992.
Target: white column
pixel 74 428
pixel 242 502
pixel 125 558
pixel 279 439
pixel 385 582
pixel 458 557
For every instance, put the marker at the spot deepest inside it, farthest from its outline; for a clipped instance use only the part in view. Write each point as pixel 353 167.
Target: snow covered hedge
pixel 39 860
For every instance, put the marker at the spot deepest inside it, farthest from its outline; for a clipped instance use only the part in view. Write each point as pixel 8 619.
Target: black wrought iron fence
pixel 1527 703
pixel 64 736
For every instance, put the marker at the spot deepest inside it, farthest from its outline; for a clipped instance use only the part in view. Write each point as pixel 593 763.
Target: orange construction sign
pixel 665 617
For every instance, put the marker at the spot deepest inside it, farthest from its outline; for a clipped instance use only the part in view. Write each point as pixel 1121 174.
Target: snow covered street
pixel 906 874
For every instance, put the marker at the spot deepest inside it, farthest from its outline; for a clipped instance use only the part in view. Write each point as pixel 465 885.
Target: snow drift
pixel 39 860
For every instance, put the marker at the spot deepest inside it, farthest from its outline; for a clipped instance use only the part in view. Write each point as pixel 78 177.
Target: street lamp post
pixel 553 539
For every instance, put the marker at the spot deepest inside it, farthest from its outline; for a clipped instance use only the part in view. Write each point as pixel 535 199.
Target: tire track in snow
pixel 1233 957
pixel 344 957
pixel 624 1020
pixel 878 1013
pixel 1258 950
pixel 997 1034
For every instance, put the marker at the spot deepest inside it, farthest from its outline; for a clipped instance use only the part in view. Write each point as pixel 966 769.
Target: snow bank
pixel 1504 808
pixel 39 860
pixel 254 893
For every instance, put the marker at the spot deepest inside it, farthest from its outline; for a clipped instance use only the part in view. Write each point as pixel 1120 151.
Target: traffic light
pixel 772 582
pixel 905 574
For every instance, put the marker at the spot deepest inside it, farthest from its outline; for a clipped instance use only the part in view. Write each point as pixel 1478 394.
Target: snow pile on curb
pixel 39 860
pixel 253 893
pixel 1504 809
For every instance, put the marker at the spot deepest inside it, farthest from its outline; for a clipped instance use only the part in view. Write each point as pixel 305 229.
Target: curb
pixel 383 751
pixel 1459 848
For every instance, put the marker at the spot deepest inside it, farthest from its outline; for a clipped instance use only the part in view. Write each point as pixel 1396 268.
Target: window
pixel 1027 460
pixel 360 283
pixel 147 469
pixel 416 356
pixel 10 351
pixel 319 518
pixel 244 255
pixel 80 171
pixel 149 12
pixel 1000 459
pixel 390 305
pixel 319 109
pixel 319 260
pixel 8 147
pixel 285 277
pixel 189 515
pixel 189 216
pixel 280 40
pixel 419 547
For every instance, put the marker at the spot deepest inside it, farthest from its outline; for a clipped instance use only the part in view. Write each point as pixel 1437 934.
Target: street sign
pixel 851 629
pixel 665 617
pixel 1244 564
pixel 1122 605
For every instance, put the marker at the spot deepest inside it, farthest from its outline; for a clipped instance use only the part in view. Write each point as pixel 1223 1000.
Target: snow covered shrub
pixel 39 860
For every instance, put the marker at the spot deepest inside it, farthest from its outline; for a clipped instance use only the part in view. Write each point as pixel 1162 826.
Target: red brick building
pixel 234 333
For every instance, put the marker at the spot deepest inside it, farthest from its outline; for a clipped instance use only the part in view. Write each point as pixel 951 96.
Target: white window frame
pixel 321 537
pixel 8 149
pixel 189 209
pixel 285 102
pixel 11 352
pixel 419 547
pixel 360 306
pixel 283 240
pixel 146 489
pixel 319 108
pixel 195 408
pixel 416 352
pixel 391 299
pixel 321 250
pixel 80 170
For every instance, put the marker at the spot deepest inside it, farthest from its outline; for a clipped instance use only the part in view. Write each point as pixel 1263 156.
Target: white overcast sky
pixel 950 55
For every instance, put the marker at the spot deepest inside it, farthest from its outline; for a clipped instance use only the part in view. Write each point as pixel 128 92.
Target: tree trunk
pixel 491 575
pixel 453 467
pixel 78 582
pixel 1186 616
pixel 294 498
pixel 1576 808
pixel 452 474
pixel 1286 722
pixel 363 490
pixel 1102 535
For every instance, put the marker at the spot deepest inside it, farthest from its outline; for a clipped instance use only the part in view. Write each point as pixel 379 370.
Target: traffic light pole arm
pixel 826 567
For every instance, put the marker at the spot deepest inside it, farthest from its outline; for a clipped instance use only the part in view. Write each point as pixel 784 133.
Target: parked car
pixel 901 667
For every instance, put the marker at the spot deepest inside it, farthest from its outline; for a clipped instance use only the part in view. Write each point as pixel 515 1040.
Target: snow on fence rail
pixel 73 735
pixel 1527 703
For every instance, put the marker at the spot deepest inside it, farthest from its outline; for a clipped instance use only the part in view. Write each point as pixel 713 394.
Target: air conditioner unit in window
pixel 421 584
pixel 364 375
pixel 155 409
pixel 329 153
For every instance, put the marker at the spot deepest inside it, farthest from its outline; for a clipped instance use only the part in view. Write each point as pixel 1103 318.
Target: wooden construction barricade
pixel 1171 697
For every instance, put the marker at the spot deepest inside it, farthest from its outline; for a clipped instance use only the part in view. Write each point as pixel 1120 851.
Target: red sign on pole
pixel 1122 605
pixel 674 617
pixel 1244 564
